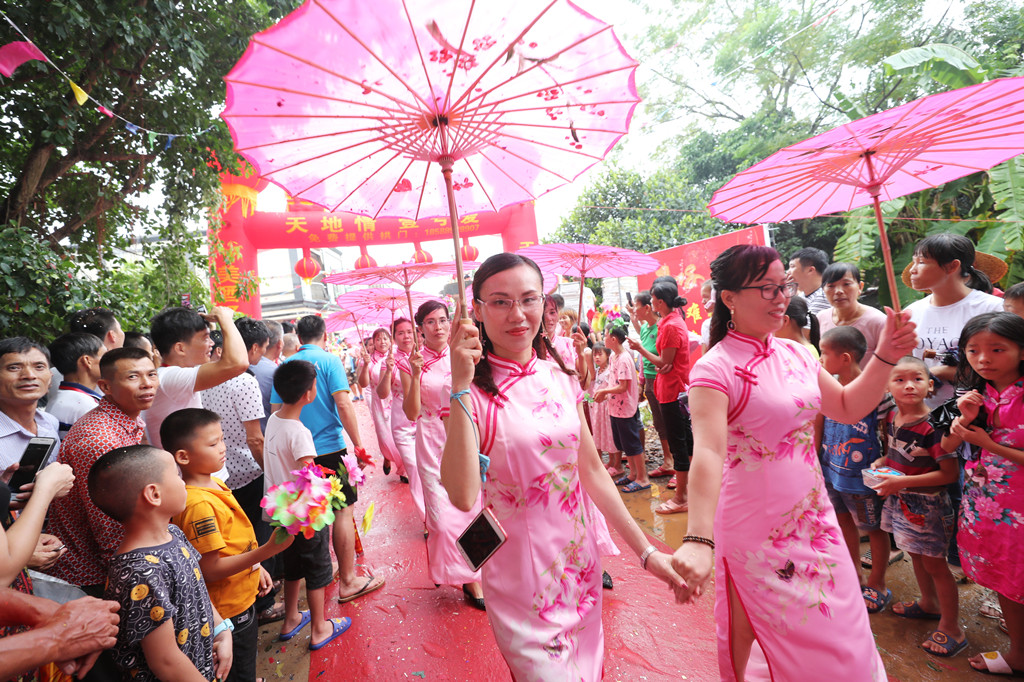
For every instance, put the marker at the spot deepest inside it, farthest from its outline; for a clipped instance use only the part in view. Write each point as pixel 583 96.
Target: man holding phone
pixel 24 380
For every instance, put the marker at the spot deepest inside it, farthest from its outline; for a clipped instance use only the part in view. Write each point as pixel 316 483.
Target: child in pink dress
pixel 543 585
pixel 786 592
pixel 599 419
pixel 992 515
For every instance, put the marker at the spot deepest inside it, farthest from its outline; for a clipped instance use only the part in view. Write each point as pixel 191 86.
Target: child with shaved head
pixel 169 629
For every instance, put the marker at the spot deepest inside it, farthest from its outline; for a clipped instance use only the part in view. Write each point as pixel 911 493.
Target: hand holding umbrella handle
pixel 466 350
pixel 898 338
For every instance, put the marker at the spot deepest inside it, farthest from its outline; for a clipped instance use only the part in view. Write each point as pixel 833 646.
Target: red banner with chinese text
pixel 690 265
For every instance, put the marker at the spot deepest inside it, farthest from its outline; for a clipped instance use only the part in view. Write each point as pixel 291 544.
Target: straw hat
pixel 995 268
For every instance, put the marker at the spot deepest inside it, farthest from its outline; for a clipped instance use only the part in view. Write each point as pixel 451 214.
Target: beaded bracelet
pixel 485 461
pixel 891 364
pixel 696 538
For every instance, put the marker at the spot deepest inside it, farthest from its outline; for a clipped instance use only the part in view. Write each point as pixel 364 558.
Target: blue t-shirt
pixel 848 449
pixel 321 415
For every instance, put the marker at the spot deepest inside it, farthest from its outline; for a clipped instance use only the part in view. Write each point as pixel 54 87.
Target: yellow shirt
pixel 214 522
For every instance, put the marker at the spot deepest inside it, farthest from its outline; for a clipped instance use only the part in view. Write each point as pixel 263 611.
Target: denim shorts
pixel 923 523
pixel 865 507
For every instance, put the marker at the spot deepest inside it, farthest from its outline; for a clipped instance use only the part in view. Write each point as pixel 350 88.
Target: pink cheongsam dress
pixel 380 412
pixel 403 432
pixel 777 540
pixel 444 520
pixel 543 586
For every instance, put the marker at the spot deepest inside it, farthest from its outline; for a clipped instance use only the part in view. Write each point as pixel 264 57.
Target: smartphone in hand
pixel 33 459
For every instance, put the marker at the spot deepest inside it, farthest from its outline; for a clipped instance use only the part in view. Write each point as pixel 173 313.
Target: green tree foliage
pixel 72 177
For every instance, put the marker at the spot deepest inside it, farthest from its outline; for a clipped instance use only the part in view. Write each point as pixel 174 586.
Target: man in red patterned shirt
pixel 128 379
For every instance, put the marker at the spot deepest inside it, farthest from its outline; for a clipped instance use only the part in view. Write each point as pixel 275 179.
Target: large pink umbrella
pixel 913 147
pixel 589 260
pixel 354 104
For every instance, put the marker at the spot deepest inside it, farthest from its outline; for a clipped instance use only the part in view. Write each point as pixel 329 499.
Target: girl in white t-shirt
pixel 945 265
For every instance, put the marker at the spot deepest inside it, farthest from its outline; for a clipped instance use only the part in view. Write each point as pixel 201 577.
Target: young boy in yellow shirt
pixel 215 524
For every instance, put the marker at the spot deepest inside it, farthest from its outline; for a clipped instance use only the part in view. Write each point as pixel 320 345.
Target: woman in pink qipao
pixel 426 389
pixel 403 430
pixel 543 585
pixel 787 597
pixel 380 408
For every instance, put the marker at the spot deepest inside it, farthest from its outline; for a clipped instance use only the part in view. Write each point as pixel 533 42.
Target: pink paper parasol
pixel 351 104
pixel 913 147
pixel 382 301
pixel 404 275
pixel 589 260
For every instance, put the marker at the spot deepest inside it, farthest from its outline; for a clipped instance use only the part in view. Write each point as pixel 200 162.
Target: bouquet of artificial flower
pixel 305 504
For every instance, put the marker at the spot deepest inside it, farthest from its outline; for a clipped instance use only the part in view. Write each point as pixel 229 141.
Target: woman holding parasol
pixel 757 498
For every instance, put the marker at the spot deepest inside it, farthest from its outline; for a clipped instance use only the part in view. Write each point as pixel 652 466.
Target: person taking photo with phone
pixel 543 585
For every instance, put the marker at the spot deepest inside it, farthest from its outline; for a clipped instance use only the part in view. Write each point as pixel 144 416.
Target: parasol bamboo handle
pixel 874 189
pixel 412 317
pixel 453 214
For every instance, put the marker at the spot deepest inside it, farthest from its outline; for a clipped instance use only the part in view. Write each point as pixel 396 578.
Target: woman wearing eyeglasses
pixel 426 385
pixel 758 504
pixel 543 585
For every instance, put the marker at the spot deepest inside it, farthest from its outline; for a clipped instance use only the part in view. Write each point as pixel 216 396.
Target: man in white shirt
pixel 183 339
pixel 24 379
pixel 99 322
pixel 77 357
pixel 805 268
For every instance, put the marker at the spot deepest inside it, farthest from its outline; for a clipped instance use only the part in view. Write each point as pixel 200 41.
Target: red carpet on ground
pixel 409 629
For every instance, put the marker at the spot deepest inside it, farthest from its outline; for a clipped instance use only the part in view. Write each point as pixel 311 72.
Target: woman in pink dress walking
pixel 543 585
pixel 786 593
pixel 426 389
pixel 403 430
pixel 380 408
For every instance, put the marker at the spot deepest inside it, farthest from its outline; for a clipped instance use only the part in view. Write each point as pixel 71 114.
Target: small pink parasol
pixel 589 260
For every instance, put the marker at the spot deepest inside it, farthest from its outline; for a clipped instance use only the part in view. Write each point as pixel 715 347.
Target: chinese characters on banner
pixel 690 265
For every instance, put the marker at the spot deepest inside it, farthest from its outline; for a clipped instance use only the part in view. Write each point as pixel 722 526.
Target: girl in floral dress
pixel 599 411
pixel 992 513
pixel 380 408
pixel 543 585
pixel 787 597
pixel 426 387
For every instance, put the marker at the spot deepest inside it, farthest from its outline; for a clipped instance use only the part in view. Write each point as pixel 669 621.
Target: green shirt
pixel 649 340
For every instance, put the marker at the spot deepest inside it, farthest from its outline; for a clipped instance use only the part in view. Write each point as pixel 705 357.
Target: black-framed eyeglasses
pixel 770 291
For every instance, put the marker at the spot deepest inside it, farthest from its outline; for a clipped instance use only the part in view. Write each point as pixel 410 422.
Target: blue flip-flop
pixel 912 609
pixel 950 647
pixel 303 622
pixel 635 487
pixel 623 480
pixel 340 625
pixel 876 600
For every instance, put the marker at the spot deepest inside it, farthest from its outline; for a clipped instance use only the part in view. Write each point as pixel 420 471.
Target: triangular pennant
pixel 80 95
pixel 131 127
pixel 170 138
pixel 13 55
pixel 106 112
pixel 152 138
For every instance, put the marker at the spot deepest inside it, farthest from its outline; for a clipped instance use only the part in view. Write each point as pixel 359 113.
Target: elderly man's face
pixel 24 377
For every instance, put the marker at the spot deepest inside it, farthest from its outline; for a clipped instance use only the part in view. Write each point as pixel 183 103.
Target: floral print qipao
pixel 543 587
pixel 778 543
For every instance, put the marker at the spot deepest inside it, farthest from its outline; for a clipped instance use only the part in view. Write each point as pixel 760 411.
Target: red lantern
pixel 469 252
pixel 307 268
pixel 365 260
pixel 421 256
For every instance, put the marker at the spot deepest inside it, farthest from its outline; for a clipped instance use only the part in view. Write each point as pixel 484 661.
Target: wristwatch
pixel 225 624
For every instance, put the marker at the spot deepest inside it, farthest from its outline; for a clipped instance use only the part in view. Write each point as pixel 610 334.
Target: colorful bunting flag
pixel 13 55
pixel 80 95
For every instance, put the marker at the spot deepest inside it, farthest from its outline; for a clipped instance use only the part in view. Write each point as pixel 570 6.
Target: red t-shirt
pixel 672 333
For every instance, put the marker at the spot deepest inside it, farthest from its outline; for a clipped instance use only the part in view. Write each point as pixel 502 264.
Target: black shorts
pixel 332 461
pixel 309 560
pixel 626 434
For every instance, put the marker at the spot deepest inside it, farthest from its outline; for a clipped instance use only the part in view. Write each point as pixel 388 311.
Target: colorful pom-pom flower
pixel 305 504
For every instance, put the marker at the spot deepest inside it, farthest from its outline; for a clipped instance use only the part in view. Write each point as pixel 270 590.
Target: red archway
pixel 243 232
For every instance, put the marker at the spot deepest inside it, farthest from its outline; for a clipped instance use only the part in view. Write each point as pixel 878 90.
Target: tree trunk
pixel 13 208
